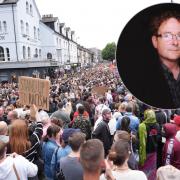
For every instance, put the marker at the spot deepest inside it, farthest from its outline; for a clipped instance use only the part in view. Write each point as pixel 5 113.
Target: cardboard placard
pixel 34 91
pixel 100 90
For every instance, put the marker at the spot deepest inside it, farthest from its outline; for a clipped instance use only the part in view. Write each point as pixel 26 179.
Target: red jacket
pixel 170 131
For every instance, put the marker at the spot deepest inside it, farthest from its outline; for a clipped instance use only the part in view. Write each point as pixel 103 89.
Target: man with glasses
pixel 166 40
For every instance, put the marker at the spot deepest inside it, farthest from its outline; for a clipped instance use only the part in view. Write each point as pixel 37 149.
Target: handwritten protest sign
pixel 34 91
pixel 100 90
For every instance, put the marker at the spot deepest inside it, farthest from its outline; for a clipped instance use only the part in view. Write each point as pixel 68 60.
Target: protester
pixel 48 148
pixel 63 150
pixel 14 166
pixel 134 121
pixel 171 150
pixel 73 90
pixel 82 122
pixel 92 159
pixel 70 166
pixel 149 135
pixel 62 115
pixel 167 172
pixel 119 155
pixel 102 131
pixel 26 142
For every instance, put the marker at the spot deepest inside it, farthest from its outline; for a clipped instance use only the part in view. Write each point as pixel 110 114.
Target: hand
pixel 108 172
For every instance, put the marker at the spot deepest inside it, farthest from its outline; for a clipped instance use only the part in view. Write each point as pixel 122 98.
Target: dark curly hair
pixel 159 18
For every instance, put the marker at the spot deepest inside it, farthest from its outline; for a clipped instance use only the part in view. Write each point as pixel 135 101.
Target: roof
pixel 49 19
pixel 8 1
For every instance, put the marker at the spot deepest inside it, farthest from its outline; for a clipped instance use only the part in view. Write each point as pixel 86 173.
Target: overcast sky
pixel 95 22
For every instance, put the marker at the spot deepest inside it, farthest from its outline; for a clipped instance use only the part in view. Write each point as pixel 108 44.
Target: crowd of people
pixel 88 133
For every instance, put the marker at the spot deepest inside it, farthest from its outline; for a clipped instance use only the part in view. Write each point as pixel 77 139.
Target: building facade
pixel 97 55
pixel 30 44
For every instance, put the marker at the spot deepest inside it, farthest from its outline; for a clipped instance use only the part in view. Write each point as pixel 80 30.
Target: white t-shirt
pixel 24 168
pixel 127 175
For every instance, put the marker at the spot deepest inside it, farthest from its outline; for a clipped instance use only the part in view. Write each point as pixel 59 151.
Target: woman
pixel 119 155
pixel 125 122
pixel 149 136
pixel 25 144
pixel 49 146
pixel 8 165
pixel 124 135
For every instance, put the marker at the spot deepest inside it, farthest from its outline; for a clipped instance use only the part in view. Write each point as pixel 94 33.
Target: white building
pixel 97 55
pixel 29 43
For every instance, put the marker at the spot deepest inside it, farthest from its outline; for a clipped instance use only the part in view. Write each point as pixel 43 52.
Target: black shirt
pixel 174 85
pixel 102 133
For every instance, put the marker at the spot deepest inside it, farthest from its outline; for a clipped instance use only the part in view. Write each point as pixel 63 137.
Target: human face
pixel 107 116
pixel 168 50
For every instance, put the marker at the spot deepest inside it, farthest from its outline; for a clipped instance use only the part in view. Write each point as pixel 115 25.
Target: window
pixel 0 27
pixel 27 29
pixel 38 34
pixel 29 52
pixel 8 55
pixel 24 52
pixel 40 53
pixel 57 41
pixel 2 54
pixel 36 53
pixel 35 36
pixel 5 26
pixel 22 27
pixel 49 56
pixel 31 11
pixel 27 7
pixel 60 42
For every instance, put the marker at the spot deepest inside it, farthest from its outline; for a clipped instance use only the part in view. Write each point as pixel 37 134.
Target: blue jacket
pixel 55 161
pixel 134 122
pixel 48 150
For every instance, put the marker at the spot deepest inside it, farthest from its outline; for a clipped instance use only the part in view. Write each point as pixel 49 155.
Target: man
pixel 61 114
pixel 166 40
pixel 102 132
pixel 82 122
pixel 12 116
pixel 92 159
pixel 70 166
pixel 151 71
pixel 62 151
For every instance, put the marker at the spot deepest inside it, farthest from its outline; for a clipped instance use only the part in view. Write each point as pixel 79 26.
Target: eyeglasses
pixel 168 36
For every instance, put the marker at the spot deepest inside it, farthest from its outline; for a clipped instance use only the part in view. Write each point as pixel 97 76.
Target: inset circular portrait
pixel 148 56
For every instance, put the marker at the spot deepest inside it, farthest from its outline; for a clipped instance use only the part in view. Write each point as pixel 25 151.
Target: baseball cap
pixel 68 132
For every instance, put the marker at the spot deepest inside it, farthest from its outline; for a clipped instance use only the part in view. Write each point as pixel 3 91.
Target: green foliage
pixel 108 53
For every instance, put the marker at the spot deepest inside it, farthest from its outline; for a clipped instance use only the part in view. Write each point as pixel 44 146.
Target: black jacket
pixel 102 133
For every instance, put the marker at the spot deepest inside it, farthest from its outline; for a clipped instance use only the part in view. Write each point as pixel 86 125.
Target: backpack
pixel 152 137
pixel 82 123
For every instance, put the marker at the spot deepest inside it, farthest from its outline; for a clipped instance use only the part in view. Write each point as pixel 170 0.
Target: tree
pixel 108 53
